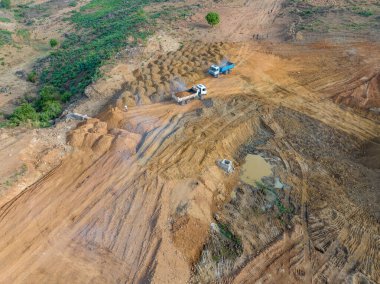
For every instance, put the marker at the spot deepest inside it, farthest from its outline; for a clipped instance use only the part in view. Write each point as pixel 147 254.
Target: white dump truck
pixel 197 91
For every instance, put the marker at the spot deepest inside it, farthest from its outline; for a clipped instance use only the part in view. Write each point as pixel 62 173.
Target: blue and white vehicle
pixel 225 68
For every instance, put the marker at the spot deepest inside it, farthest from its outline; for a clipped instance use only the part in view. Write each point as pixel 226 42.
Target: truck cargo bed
pixel 185 93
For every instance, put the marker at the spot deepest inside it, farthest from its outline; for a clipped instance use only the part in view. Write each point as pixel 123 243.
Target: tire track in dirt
pixel 110 215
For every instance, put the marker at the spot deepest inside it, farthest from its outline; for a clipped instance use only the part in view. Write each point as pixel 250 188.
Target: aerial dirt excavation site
pixel 211 141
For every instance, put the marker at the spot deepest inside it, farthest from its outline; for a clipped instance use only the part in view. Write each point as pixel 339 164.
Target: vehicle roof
pixel 201 86
pixel 214 66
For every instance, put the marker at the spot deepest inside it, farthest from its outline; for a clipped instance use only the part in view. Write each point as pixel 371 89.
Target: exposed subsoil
pixel 137 196
pixel 135 199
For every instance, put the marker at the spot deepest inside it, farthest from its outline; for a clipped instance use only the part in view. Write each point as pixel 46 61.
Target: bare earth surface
pixel 132 193
pixel 111 205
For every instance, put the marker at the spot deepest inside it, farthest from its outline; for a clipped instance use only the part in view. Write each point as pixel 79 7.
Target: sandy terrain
pixel 130 196
pixel 242 21
pixel 137 195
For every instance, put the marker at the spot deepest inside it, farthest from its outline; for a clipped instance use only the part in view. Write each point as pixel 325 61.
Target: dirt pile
pixel 151 83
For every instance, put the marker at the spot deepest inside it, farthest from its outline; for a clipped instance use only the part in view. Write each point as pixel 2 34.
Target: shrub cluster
pixel 102 29
pixel 41 112
pixel 5 4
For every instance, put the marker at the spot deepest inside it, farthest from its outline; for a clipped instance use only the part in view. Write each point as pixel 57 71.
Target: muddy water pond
pixel 254 169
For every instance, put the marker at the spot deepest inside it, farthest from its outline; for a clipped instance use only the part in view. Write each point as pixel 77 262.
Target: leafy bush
pixel 40 113
pixel 48 93
pixel 73 3
pixel 23 114
pixel 65 96
pixel 212 18
pixel 32 77
pixel 53 42
pixel 50 110
pixel 5 4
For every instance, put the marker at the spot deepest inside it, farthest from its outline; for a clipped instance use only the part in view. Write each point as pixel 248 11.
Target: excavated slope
pixel 134 201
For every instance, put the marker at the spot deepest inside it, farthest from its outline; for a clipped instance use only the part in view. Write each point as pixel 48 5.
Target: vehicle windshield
pixel 214 68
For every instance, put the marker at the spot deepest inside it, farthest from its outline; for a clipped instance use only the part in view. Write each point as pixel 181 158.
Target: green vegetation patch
pixel 5 4
pixel 173 13
pixel 24 34
pixel 5 37
pixel 284 213
pixel 5 20
pixel 39 112
pixel 226 245
pixel 362 11
pixel 102 29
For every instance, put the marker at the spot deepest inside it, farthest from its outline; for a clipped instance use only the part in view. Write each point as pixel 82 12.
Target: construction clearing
pixel 273 178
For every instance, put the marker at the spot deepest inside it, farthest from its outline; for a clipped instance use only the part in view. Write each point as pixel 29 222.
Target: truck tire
pixel 182 103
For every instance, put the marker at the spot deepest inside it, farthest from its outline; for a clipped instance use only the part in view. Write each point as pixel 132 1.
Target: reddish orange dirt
pixel 134 200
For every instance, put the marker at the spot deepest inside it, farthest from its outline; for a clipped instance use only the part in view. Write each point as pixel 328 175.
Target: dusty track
pixel 133 203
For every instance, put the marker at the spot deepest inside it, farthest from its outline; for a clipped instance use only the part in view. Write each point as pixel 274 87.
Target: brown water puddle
pixel 254 169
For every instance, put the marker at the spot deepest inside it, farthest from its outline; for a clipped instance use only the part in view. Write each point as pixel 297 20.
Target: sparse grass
pixel 5 37
pixel 355 26
pixel 282 209
pixel 16 176
pixel 172 13
pixel 24 34
pixel 225 231
pixel 219 255
pixel 5 20
pixel 312 26
pixel 331 18
pixel 362 11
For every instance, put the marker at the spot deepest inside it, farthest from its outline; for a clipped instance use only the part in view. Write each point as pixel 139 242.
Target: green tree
pixel 213 18
pixel 48 93
pixel 24 113
pixel 53 42
pixel 6 4
pixel 51 110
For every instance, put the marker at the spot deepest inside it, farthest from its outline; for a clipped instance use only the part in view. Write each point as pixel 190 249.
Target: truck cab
pixel 214 70
pixel 200 89
pixel 224 68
